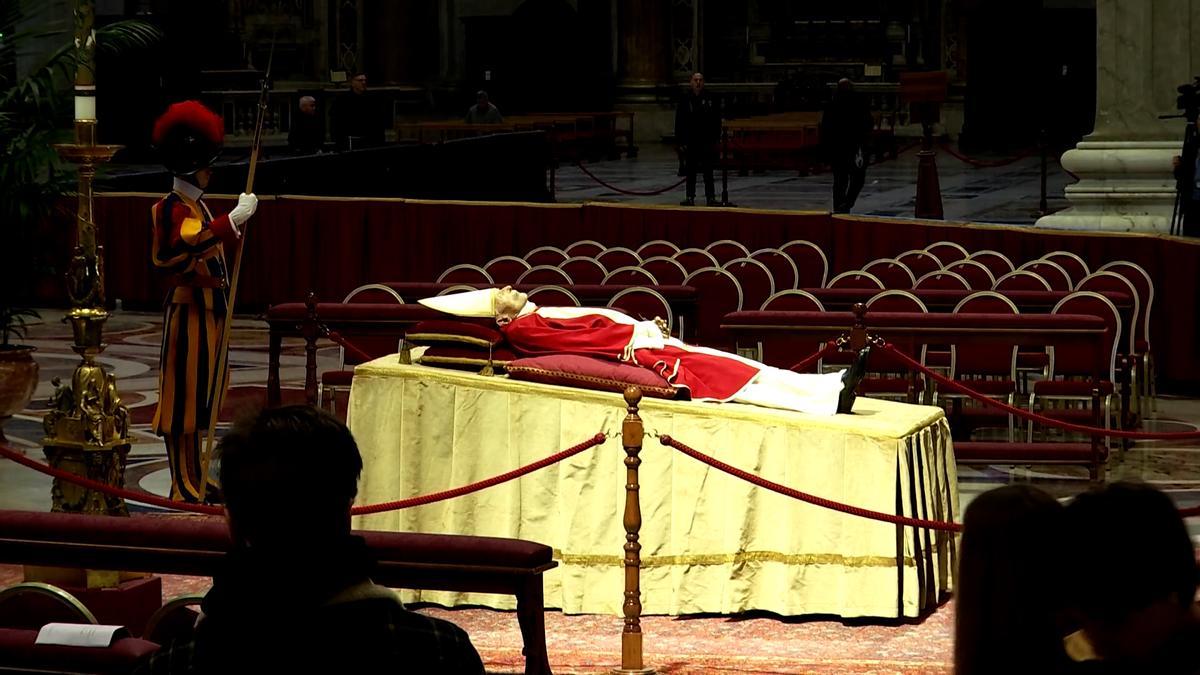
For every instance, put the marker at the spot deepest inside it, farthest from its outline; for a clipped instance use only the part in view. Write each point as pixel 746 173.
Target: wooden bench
pixel 196 546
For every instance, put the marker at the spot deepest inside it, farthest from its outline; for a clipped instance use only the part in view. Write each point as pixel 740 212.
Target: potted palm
pixel 33 182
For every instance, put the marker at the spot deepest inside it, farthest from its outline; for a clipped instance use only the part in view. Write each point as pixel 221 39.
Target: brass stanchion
pixel 632 433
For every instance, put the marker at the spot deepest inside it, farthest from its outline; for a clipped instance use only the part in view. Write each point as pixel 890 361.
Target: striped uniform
pixel 189 243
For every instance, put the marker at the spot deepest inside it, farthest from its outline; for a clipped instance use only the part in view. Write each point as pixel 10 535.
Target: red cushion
pixel 337 378
pixel 1070 388
pixel 585 372
pixel 989 387
pixel 449 331
pixel 464 357
pixel 17 649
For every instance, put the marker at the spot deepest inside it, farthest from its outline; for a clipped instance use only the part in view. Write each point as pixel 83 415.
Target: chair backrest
pixel 725 250
pixel 783 269
pixel 465 273
pixel 374 293
pixel 545 274
pixel 1074 266
pixel 996 262
pixel 793 300
pixel 694 259
pixel 1141 280
pixel 856 279
pixel 1077 362
pixel 942 280
pixel 1022 280
pixel 588 248
pixel 719 293
pixel 988 359
pixel 1052 272
pixel 896 301
pixel 629 276
pixel 755 279
pixel 554 296
pixel 657 247
pixel 506 269
pixel 618 256
pixel 948 251
pixel 812 265
pixel 920 262
pixel 457 288
pixel 1111 282
pixel 643 303
pixel 584 270
pixel 978 276
pixel 667 270
pixel 893 273
pixel 546 255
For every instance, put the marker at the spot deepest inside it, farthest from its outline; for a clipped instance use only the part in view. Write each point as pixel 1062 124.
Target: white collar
pixel 187 189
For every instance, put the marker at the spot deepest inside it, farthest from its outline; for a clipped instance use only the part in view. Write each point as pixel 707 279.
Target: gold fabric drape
pixel 710 542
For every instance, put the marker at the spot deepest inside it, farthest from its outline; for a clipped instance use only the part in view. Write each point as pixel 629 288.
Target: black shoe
pixel 850 379
pixel 690 201
pixel 712 202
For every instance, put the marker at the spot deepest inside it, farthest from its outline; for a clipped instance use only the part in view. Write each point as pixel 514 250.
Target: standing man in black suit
pixel 698 130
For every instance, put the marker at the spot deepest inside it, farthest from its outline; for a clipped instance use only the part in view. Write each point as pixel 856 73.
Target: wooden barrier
pixel 632 433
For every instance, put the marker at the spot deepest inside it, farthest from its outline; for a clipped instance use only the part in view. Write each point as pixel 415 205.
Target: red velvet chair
pixel 645 304
pixel 656 248
pixel 587 248
pixel 1070 372
pixel 996 262
pixel 793 300
pixel 666 269
pixel 920 263
pixel 1052 272
pixel 1021 280
pixel 554 296
pixel 856 279
pixel 942 280
pixel 694 259
pixel 947 251
pixel 893 273
pixel 466 274
pixel 546 255
pixel 720 293
pixel 1075 267
pixel 989 369
pixel 783 270
pixel 334 385
pixel 1141 329
pixel 780 349
pixel 629 276
pixel 755 279
pixel 812 264
pixel 976 273
pixel 618 257
pixel 545 274
pixel 584 270
pixel 1108 281
pixel 725 250
pixel 890 377
pixel 506 269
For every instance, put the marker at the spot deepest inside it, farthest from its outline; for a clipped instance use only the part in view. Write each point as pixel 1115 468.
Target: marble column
pixel 1144 51
pixel 644 67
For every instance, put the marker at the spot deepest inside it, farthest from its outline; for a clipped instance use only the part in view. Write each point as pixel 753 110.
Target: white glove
pixel 246 206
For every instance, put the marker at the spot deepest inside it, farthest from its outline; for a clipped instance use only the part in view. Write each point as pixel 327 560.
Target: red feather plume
pixel 194 115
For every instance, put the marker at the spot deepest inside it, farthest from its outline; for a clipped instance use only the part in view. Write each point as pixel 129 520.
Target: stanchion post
pixel 311 330
pixel 632 434
pixel 858 332
pixel 1096 472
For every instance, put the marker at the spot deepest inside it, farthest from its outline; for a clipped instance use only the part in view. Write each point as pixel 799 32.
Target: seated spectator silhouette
pixel 1009 586
pixel 295 594
pixel 483 112
pixel 1133 582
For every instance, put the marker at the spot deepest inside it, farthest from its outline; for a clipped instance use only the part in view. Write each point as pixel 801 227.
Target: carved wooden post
pixel 632 433
pixel 311 330
pixel 858 332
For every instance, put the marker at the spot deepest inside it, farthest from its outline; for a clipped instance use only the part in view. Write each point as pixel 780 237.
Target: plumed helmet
pixel 188 137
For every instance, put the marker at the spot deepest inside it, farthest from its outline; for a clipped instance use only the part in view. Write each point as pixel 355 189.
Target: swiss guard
pixel 190 245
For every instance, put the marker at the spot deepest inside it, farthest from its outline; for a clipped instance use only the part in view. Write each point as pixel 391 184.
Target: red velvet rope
pixel 635 193
pixel 829 348
pixel 337 338
pixel 420 500
pixel 985 163
pixel 805 497
pixel 1042 419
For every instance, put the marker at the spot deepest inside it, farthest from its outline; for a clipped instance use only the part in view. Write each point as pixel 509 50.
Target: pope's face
pixel 508 304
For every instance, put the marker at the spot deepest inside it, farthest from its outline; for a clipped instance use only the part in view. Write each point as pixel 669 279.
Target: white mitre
pixel 481 303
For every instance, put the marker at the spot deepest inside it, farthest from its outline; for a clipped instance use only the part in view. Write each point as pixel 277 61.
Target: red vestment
pixel 706 374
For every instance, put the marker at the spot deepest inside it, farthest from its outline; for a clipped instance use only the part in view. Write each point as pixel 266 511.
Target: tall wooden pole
pixel 632 433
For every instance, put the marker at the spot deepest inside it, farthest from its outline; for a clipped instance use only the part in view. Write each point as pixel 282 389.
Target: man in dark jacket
pixel 359 120
pixel 845 128
pixel 295 594
pixel 698 130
